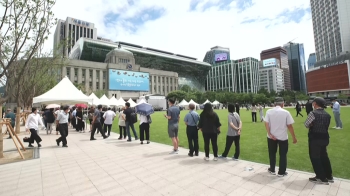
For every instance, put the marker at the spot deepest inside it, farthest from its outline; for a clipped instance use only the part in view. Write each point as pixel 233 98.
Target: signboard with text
pixel 125 80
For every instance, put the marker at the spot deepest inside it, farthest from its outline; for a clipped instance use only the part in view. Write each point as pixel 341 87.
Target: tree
pixel 100 93
pixel 273 94
pixel 342 96
pixel 81 87
pixel 186 88
pixel 24 26
pixel 264 91
pixel 177 95
pixel 260 98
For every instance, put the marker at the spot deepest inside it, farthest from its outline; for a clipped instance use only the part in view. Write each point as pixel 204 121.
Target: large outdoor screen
pixel 270 62
pixel 124 80
pixel 221 57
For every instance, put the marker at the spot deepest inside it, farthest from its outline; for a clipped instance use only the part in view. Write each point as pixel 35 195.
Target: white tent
pixel 113 101
pixel 132 103
pixel 142 101
pixel 121 102
pixel 216 103
pixel 95 99
pixel 183 103
pixel 191 101
pixel 207 101
pixel 63 93
pixel 105 101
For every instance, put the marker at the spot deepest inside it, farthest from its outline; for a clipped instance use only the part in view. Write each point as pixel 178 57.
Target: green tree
pixel 260 98
pixel 100 93
pixel 177 95
pixel 273 94
pixel 342 96
pixel 264 91
pixel 186 88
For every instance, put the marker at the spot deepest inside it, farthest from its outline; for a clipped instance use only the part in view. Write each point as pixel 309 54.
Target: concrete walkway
pixel 113 167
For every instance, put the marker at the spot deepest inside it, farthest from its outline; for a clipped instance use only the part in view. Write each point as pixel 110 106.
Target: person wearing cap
pixel 12 116
pixel 97 123
pixel 318 123
pixel 277 122
pixel 336 112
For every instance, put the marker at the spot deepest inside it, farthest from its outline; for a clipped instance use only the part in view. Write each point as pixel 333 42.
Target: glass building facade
pixel 311 61
pixel 241 76
pixel 190 71
pixel 213 55
pixel 297 67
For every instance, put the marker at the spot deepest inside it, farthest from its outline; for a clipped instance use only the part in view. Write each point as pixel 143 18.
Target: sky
pixel 192 27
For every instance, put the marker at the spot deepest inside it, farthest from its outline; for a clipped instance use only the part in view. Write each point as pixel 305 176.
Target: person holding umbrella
pixel 145 110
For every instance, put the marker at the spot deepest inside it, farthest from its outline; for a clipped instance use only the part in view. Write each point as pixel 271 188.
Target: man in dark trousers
pixel 318 123
pixel 97 123
pixel 308 107
pixel 237 108
pixel 191 120
pixel 62 124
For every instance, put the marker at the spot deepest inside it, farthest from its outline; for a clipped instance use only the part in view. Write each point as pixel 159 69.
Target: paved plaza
pixel 113 167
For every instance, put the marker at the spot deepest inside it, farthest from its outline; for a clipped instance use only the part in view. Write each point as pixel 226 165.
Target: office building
pixel 280 54
pixel 331 25
pixel 271 77
pixel 69 31
pixel 241 76
pixel 311 61
pixel 331 78
pixel 296 61
pixel 217 54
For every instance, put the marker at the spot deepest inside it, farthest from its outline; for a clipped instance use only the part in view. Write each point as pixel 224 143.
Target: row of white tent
pixel 65 93
pixel 185 103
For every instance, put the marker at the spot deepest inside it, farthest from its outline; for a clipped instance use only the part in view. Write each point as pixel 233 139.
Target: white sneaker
pixel 233 158
pixel 206 158
pixel 338 128
pixel 173 152
pixel 215 159
pixel 334 127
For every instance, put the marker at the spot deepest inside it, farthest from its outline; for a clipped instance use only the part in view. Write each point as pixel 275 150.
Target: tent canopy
pixel 207 101
pixel 113 101
pixel 191 101
pixel 95 99
pixel 132 103
pixel 63 93
pixel 216 103
pixel 105 101
pixel 183 103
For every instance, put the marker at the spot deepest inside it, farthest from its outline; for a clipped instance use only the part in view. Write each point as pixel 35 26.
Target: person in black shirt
pixel 128 121
pixel 308 107
pixel 318 123
pixel 237 108
pixel 97 124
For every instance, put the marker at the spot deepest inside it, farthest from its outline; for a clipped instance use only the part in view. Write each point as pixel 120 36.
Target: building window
pixel 88 32
pixel 104 75
pixel 90 85
pixel 97 85
pixel 90 73
pixel 75 71
pixel 83 70
pixel 98 74
pixel 104 85
pixel 68 71
pixel 92 33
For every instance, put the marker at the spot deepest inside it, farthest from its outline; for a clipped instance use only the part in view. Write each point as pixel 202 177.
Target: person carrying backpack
pixel 130 119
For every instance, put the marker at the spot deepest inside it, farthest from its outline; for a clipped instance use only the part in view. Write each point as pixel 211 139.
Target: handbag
pixel 149 119
pixel 195 122
pixel 26 139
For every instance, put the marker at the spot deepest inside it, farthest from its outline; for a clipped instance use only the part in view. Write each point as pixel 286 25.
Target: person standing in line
pixel 336 112
pixel 50 120
pixel 108 117
pixel 102 121
pixel 277 121
pixel 191 121
pixel 129 121
pixel 254 113
pixel 121 124
pixel 237 108
pixel 173 116
pixel 57 112
pixel 73 118
pixel 308 107
pixel 79 120
pixel 318 123
pixel 144 127
pixel 261 112
pixel 233 133
pixel 91 116
pixel 298 109
pixel 11 116
pixel 97 124
pixel 32 125
pixel 62 124
pixel 209 124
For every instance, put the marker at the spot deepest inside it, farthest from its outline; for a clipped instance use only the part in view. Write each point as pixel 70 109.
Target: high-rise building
pixel 331 25
pixel 69 31
pixel 241 76
pixel 311 61
pixel 217 54
pixel 296 61
pixel 271 76
pixel 281 55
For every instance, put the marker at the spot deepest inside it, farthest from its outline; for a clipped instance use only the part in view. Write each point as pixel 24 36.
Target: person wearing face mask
pixel 318 124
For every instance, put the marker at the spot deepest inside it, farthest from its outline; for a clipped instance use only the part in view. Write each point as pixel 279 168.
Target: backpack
pixel 133 117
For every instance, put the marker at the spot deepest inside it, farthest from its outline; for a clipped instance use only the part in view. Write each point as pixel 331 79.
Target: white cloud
pixel 192 33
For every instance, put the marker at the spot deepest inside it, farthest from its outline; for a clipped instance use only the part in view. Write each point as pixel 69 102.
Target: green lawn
pixel 254 144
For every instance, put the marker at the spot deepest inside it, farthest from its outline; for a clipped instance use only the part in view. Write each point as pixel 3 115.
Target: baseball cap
pixel 320 102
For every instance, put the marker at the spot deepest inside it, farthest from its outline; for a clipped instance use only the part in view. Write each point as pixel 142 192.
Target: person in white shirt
pixel 144 127
pixel 277 121
pixel 58 110
pixel 121 124
pixel 62 123
pixel 109 116
pixel 32 125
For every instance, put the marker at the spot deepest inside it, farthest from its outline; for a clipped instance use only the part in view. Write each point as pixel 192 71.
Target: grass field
pixel 254 144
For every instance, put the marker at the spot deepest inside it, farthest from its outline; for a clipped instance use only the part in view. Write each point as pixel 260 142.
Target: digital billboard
pixel 124 80
pixel 221 57
pixel 270 62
